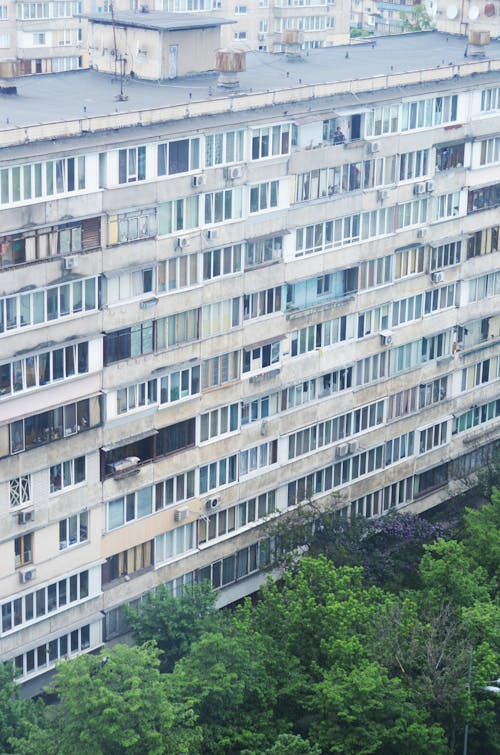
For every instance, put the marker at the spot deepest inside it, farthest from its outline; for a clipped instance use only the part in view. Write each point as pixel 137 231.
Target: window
pixel 406 310
pixel 132 225
pixel 176 329
pixel 240 35
pixel 177 273
pixel 223 148
pixel 377 272
pixel 255 410
pixel 490 99
pixel 373 320
pixel 411 213
pixel 229 520
pixel 4 12
pixel 257 457
pixel 413 354
pixel 271 141
pixel 445 255
pixel 20 490
pixel 4 40
pixel 179 384
pixel 67 475
pixel 414 165
pixel 174 489
pixel 219 422
pixel 264 196
pixel 371 369
pixel 39 429
pixel 409 262
pixel 218 473
pixel 484 241
pixel 129 507
pixel 23 549
pixel 178 157
pixel 131 165
pixel 402 403
pixel 178 215
pixel 220 317
pixel 263 251
pixel 43 369
pixel 129 342
pixel 176 437
pixel 344 231
pixel 26 182
pixel 447 206
pixel 483 199
pixel 478 415
pixel 262 303
pixel 221 369
pixel 129 562
pixel 399 448
pixel 223 205
pixel 42 305
pixel 382 120
pixel 219 262
pixel 35 605
pixel 440 298
pixel 323 334
pixel 73 530
pixel 429 112
pixel 261 356
pixel 136 396
pixel 480 373
pixel 433 437
pixel 174 543
pixel 450 156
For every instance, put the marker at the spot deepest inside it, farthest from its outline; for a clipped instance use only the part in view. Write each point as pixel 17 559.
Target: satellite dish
pixel 473 12
pixel 489 10
pixel 452 11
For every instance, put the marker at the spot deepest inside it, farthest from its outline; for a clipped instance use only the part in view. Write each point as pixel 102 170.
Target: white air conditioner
pixel 211 504
pixel 25 516
pixel 382 194
pixel 27 576
pixel 437 277
pixel 421 233
pixel 342 451
pixel 419 189
pixel 198 180
pixel 236 171
pixel 374 147
pixel 429 186
pixel 125 465
pixel 386 337
pixel 353 447
pixel 183 242
pixel 70 262
pixel 212 234
pixel 181 514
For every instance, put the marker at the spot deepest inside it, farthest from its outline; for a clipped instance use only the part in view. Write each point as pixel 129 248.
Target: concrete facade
pixel 213 307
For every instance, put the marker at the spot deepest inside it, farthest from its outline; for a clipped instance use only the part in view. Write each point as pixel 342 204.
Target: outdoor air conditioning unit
pixel 236 171
pixel 70 262
pixel 353 447
pixel 386 337
pixel 437 277
pixel 181 514
pixel 429 186
pixel 421 233
pixel 27 576
pixel 183 242
pixel 25 516
pixel 211 504
pixel 125 465
pixel 342 451
pixel 419 189
pixel 263 427
pixel 212 234
pixel 198 180
pixel 374 147
pixel 382 194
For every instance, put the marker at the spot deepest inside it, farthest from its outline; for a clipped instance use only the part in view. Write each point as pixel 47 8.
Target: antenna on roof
pixel 121 60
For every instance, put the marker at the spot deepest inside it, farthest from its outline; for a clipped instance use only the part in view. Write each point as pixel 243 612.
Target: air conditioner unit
pixel 342 451
pixel 27 576
pixel 25 516
pixel 198 180
pixel 419 189
pixel 374 147
pixel 183 242
pixel 353 447
pixel 263 427
pixel 181 514
pixel 71 262
pixel 125 465
pixel 212 234
pixel 386 337
pixel 236 171
pixel 421 233
pixel 429 186
pixel 382 194
pixel 437 277
pixel 211 504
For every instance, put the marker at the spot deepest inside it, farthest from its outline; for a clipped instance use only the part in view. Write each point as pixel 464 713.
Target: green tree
pixel 481 537
pixel 416 20
pixel 110 704
pixel 15 714
pixel 174 622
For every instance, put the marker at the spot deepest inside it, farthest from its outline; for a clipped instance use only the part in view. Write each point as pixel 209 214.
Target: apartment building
pixel 214 306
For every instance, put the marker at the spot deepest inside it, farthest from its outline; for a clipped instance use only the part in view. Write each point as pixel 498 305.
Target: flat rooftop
pixel 88 94
pixel 158 20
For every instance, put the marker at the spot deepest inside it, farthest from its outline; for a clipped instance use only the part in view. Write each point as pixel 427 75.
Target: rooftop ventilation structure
pixel 229 63
pixel 292 40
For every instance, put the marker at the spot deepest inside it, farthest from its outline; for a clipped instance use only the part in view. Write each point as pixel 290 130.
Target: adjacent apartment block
pixel 216 305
